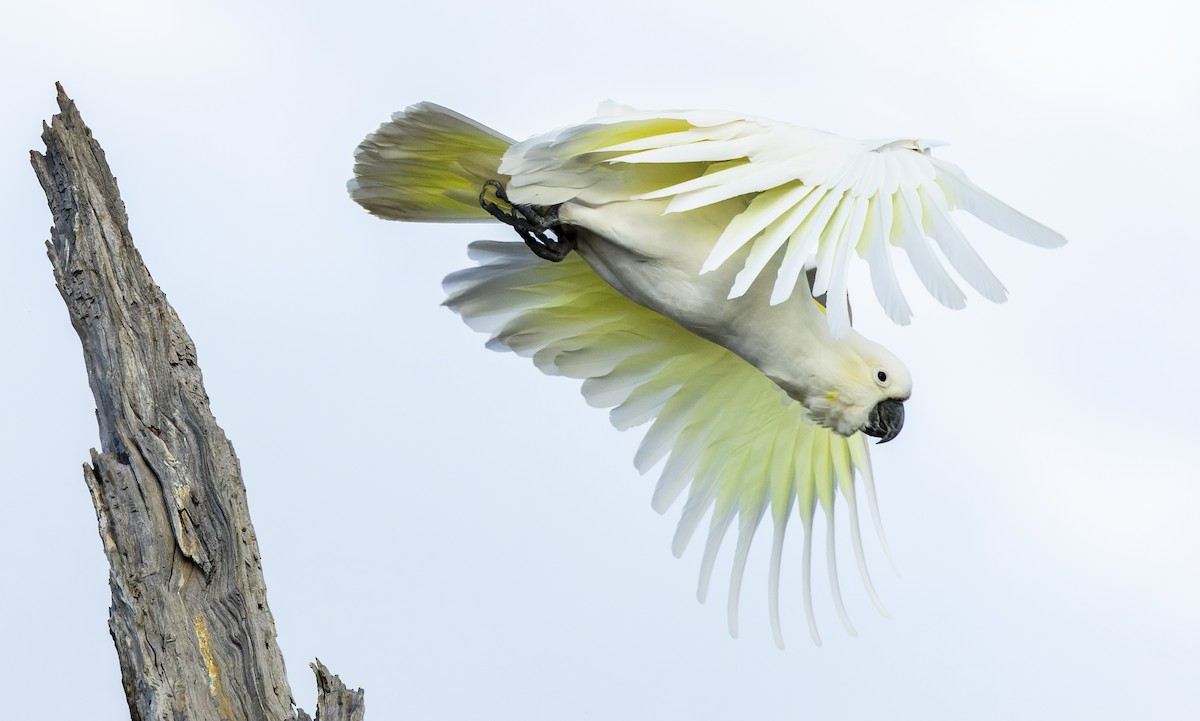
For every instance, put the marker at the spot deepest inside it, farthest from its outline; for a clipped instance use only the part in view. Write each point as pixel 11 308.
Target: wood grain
pixel 189 616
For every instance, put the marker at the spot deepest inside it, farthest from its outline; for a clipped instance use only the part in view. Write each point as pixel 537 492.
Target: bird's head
pixel 861 386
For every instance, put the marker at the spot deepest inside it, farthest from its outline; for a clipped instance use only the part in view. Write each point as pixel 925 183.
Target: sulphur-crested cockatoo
pixel 706 292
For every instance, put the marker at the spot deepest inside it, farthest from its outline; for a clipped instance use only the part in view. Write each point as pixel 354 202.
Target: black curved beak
pixel 885 420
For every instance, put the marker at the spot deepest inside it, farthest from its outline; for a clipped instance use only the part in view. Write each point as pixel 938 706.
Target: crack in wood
pixel 195 646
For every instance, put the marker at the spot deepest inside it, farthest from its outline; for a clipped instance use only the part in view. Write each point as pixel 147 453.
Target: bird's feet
pixel 534 223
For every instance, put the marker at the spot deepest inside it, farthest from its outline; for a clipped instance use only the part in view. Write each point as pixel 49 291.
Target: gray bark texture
pixel 189 614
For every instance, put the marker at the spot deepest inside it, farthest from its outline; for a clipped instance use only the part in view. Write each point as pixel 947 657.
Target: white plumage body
pixel 655 259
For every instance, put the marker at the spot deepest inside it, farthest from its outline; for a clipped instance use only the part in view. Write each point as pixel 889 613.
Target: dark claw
pixel 532 222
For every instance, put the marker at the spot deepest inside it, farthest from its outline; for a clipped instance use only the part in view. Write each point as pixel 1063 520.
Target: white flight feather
pixel 907 233
pixel 766 208
pixel 691 135
pixel 724 509
pixel 680 468
pixel 706 151
pixel 836 304
pixel 752 182
pixel 831 565
pixel 615 386
pixel 783 497
pixel 771 240
pixel 954 244
pixel 883 275
pixel 861 459
pixel 641 406
pixel 752 499
pixel 842 469
pixel 747 525
pixel 597 360
pixel 806 575
pixel 661 436
pixel 700 497
pixel 994 212
pixel 827 247
pixel 801 244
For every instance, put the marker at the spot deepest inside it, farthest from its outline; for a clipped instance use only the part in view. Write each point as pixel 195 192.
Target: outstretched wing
pixel 815 195
pixel 729 436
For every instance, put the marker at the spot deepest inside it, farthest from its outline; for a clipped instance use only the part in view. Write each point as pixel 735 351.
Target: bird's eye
pixel 881 377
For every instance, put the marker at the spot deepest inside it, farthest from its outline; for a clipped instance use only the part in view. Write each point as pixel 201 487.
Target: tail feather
pixel 427 164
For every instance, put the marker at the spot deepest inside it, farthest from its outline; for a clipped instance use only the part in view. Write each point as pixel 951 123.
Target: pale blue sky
pixel 1040 501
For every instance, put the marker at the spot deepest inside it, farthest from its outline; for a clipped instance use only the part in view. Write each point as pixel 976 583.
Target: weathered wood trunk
pixel 189 614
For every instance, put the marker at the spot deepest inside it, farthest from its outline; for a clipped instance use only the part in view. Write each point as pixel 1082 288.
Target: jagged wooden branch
pixel 189 614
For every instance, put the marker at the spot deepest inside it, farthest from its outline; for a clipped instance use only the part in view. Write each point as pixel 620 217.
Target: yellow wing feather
pixel 721 430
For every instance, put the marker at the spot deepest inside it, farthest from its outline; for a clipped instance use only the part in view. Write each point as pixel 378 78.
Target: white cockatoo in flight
pixel 691 268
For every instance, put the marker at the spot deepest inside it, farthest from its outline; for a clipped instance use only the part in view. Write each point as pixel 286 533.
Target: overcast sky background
pixel 427 547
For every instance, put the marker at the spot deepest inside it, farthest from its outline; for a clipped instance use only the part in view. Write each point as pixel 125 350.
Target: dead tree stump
pixel 189 614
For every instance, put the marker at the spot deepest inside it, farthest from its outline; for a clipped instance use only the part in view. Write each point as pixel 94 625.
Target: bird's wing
pixel 817 196
pixel 728 435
